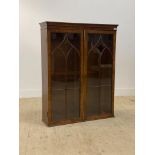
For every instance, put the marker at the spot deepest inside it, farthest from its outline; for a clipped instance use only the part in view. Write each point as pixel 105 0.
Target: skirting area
pixel 112 136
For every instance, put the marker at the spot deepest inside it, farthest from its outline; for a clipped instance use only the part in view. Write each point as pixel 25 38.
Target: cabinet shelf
pixel 57 89
pixel 102 85
pixel 66 73
pixel 98 68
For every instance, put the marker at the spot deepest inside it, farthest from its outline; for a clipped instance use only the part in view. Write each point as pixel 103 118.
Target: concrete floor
pixel 112 136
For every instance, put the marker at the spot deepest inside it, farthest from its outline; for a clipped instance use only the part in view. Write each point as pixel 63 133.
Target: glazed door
pixel 66 61
pixel 99 69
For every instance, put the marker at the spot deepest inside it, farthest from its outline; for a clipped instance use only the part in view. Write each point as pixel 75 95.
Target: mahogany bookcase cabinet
pixel 78 71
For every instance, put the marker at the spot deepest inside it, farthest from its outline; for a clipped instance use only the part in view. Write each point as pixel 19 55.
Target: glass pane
pixel 99 72
pixel 105 99
pixel 93 107
pixel 65 75
pixel 73 103
pixel 58 109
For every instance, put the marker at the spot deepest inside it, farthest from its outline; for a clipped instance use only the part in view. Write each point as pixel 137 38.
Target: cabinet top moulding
pixel 48 24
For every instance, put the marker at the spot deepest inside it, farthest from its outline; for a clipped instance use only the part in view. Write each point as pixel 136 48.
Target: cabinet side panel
pixel 44 56
pixel 113 72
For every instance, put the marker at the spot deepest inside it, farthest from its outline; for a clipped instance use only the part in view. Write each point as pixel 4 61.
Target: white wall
pixel 33 12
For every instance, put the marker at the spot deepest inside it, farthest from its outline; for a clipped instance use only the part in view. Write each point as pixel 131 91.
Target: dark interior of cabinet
pixel 99 71
pixel 65 76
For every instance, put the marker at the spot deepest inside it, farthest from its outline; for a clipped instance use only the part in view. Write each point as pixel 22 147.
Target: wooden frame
pixel 46 45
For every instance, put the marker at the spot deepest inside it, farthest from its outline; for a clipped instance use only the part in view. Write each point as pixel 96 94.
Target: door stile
pixel 49 113
pixel 81 78
pixel 85 73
